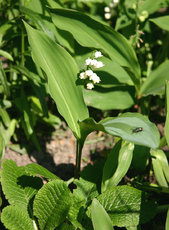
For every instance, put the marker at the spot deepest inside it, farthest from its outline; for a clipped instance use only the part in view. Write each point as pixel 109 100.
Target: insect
pixel 138 129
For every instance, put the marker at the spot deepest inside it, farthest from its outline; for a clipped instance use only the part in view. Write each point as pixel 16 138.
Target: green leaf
pixel 36 85
pixel 155 83
pixel 2 149
pixel 5 117
pixel 127 206
pixel 140 156
pixel 166 128
pixel 76 211
pixel 152 8
pixel 117 164
pixel 161 167
pixel 100 218
pixel 6 54
pixel 15 218
pixel 89 189
pixel 34 170
pixel 3 80
pixel 162 22
pixel 51 204
pixel 62 73
pixel 123 126
pixel 121 97
pixel 91 33
pixel 167 221
pixel 17 186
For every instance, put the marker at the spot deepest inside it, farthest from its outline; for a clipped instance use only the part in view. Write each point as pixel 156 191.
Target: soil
pixel 58 153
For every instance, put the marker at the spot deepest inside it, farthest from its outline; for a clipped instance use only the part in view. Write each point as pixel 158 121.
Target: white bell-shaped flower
pixel 90 86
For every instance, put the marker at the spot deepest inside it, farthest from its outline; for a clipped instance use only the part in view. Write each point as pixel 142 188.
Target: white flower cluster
pixel 92 63
pixel 109 11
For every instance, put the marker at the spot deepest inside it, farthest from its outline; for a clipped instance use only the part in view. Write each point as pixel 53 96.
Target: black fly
pixel 138 129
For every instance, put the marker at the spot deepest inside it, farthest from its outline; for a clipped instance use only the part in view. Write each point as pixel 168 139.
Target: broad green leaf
pixel 161 167
pixel 52 203
pixel 155 83
pixel 140 156
pixel 91 33
pixel 34 170
pixel 39 13
pixel 127 206
pixel 2 148
pixel 162 22
pixel 100 218
pixel 152 8
pixel 120 97
pixel 15 218
pixel 18 187
pixel 62 73
pixel 167 113
pixel 117 164
pixel 123 126
pixel 3 80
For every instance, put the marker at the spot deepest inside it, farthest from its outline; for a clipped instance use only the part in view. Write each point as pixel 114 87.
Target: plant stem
pixel 79 147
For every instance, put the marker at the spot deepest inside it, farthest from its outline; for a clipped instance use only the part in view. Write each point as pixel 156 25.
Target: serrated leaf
pixel 89 189
pixel 91 33
pixel 123 126
pixel 76 211
pixel 15 218
pixel 100 218
pixel 117 164
pixel 52 203
pixel 34 170
pixel 61 71
pixel 127 206
pixel 17 186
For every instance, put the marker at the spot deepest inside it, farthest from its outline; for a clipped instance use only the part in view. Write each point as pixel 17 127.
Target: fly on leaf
pixel 138 129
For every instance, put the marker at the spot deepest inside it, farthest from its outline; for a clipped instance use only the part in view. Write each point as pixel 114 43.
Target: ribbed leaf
pixel 91 33
pixel 100 218
pixel 51 204
pixel 76 211
pixel 62 73
pixel 117 164
pixel 123 126
pixel 15 218
pixel 17 186
pixel 127 206
pixel 89 189
pixel 34 170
